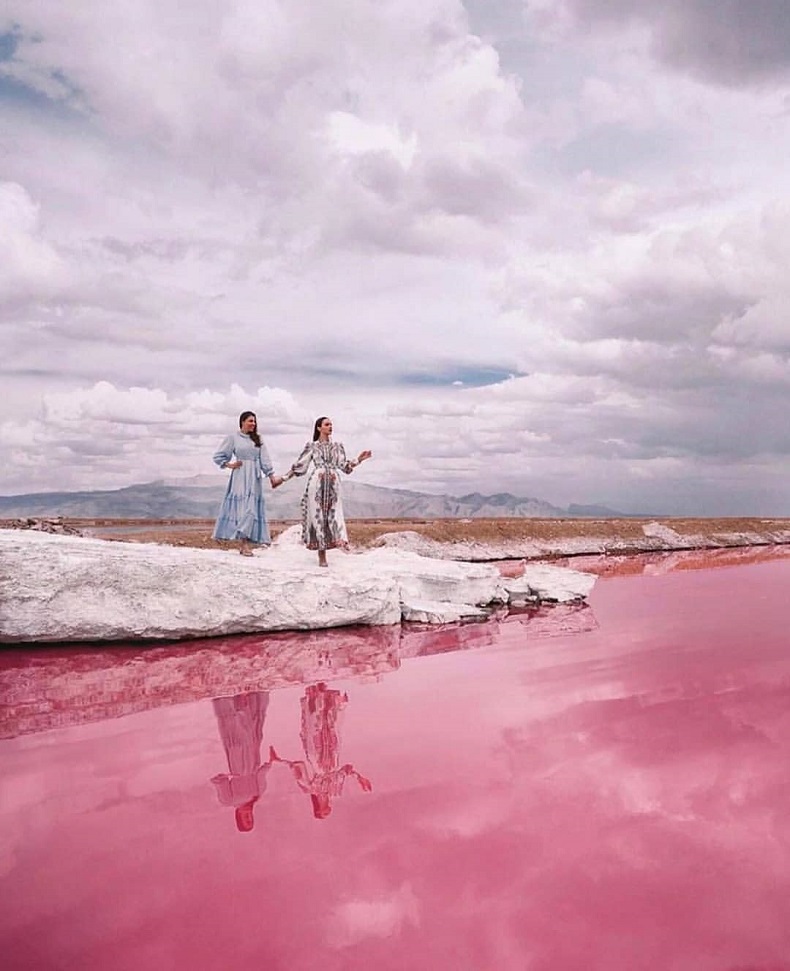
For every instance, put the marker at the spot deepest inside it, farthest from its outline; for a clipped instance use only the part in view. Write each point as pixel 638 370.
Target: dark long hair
pixel 318 423
pixel 244 820
pixel 256 438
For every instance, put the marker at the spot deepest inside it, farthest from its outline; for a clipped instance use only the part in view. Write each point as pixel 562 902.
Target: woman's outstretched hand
pixel 364 455
pixel 276 480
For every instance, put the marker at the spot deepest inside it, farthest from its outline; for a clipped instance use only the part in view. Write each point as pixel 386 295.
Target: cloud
pixel 384 916
pixel 141 433
pixel 506 253
pixel 29 265
pixel 729 42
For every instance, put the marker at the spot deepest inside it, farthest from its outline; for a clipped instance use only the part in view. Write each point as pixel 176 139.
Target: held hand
pixel 364 455
pixel 349 769
pixel 276 480
pixel 233 465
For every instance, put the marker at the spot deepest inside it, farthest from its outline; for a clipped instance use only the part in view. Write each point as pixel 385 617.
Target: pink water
pixel 574 789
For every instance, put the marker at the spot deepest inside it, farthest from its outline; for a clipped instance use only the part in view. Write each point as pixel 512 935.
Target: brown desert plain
pixel 724 532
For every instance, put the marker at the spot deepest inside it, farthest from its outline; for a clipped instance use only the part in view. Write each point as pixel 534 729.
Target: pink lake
pixel 573 788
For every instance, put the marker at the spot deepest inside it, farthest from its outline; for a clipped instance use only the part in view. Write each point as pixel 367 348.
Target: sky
pixel 525 246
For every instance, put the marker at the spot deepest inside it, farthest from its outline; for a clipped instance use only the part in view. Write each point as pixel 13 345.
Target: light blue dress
pixel 242 514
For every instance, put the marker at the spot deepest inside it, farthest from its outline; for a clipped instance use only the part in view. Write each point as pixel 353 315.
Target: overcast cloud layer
pixel 537 247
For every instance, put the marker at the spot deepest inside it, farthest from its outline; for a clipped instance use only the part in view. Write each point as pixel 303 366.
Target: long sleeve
pixel 265 461
pixel 225 452
pixel 347 465
pixel 301 465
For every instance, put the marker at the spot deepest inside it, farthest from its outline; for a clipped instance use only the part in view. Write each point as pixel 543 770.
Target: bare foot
pixel 322 558
pixel 245 551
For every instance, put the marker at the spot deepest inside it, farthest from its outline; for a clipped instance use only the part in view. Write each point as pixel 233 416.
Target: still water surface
pixel 598 788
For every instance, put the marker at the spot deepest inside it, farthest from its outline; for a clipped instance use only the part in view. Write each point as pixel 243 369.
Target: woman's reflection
pixel 320 774
pixel 240 721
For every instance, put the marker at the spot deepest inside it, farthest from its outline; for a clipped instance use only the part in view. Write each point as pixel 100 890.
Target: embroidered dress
pixel 320 774
pixel 242 514
pixel 323 523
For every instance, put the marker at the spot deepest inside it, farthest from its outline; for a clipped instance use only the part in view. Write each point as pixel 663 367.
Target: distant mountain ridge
pixel 199 497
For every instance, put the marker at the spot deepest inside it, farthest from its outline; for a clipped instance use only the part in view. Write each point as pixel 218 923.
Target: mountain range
pixel 199 497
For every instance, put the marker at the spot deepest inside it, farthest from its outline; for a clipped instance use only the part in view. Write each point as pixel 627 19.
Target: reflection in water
pixel 48 688
pixel 613 799
pixel 240 720
pixel 41 689
pixel 320 773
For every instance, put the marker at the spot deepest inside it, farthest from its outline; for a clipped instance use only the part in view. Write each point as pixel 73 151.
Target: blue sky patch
pixel 8 45
pixel 463 376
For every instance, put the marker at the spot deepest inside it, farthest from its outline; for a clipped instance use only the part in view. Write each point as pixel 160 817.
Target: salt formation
pixel 63 588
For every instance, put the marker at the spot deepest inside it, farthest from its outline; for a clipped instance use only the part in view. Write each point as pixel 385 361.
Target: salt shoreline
pixel 657 536
pixel 474 540
pixel 60 588
pixel 66 588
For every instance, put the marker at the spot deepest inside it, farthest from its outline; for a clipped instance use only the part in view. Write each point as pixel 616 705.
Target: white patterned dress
pixel 323 523
pixel 242 514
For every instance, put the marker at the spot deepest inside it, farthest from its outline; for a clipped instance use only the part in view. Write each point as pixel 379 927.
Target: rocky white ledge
pixel 63 588
pixel 652 537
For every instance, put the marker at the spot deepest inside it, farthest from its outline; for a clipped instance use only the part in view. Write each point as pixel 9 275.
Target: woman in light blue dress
pixel 242 515
pixel 240 719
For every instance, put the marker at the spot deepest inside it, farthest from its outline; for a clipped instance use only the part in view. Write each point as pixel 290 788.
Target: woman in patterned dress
pixel 322 460
pixel 242 515
pixel 320 773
